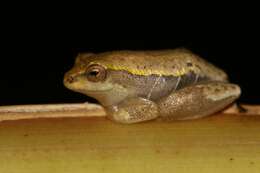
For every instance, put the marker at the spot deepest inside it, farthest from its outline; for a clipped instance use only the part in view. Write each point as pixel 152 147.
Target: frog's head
pixel 92 78
pixel 87 77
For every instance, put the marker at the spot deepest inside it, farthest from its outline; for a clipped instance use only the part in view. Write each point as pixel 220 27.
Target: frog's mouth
pixel 82 87
pixel 89 91
pixel 94 91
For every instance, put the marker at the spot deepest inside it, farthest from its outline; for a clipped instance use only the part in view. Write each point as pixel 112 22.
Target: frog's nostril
pixel 70 79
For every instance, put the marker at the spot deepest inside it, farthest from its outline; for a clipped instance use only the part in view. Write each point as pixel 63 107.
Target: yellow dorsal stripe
pixel 147 72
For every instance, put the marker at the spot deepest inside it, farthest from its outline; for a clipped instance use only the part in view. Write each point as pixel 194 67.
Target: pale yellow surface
pixel 223 143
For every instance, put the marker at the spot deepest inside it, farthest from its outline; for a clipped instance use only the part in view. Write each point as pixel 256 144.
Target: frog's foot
pixel 133 110
pixel 198 100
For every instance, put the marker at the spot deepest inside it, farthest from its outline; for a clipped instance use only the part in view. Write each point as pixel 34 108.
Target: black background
pixel 36 50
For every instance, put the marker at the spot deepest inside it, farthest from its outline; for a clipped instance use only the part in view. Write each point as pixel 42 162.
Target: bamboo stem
pixel 221 143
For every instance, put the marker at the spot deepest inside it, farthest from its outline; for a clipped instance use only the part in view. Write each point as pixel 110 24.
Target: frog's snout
pixel 69 79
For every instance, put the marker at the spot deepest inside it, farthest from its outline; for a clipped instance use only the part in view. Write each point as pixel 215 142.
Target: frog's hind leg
pixel 198 100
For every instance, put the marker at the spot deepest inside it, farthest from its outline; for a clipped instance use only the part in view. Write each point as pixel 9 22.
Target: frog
pixel 140 85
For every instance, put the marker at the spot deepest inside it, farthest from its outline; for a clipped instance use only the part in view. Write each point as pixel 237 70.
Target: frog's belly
pixel 154 87
pixel 160 86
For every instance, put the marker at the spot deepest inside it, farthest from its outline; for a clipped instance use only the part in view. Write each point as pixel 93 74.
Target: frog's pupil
pixel 94 73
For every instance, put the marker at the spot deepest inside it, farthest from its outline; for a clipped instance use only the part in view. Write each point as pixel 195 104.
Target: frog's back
pixel 176 62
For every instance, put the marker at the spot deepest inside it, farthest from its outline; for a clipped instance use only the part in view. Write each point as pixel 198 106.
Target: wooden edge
pixel 243 109
pixel 16 112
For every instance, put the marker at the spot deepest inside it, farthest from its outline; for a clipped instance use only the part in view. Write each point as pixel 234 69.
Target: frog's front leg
pixel 198 100
pixel 133 110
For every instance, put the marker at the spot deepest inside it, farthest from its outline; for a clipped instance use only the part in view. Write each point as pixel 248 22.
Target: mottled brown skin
pixel 136 86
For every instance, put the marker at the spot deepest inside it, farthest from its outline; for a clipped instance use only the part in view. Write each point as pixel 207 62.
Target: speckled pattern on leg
pixel 198 101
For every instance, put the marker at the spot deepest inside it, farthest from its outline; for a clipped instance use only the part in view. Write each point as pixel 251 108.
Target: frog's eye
pixel 96 73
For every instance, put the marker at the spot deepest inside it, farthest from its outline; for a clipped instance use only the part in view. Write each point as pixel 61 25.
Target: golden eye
pixel 96 73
